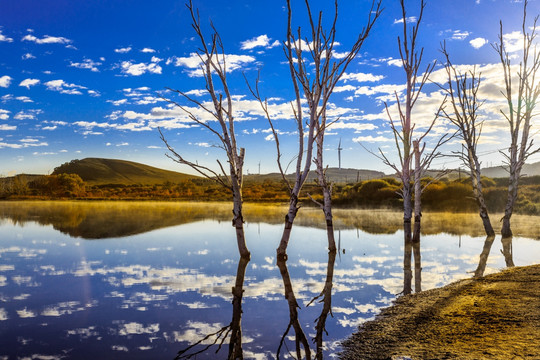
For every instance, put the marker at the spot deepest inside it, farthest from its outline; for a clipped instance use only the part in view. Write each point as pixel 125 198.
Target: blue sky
pixel 81 78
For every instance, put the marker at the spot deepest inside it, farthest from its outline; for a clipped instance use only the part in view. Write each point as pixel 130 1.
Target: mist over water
pixel 146 280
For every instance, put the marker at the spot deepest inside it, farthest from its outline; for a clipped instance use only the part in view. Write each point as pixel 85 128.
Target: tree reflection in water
pixel 411 248
pixel 300 338
pixel 326 295
pixel 507 251
pixel 479 272
pixel 234 328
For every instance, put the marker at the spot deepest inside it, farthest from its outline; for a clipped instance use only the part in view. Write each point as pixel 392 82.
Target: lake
pixel 145 280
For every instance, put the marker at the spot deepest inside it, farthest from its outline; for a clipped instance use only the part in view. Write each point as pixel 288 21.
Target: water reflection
pixel 411 249
pixel 300 339
pixel 326 300
pixel 109 219
pixel 149 295
pixel 484 255
pixel 233 331
pixel 507 251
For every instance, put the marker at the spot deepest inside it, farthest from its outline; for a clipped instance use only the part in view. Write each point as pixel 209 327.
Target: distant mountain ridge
pixel 99 171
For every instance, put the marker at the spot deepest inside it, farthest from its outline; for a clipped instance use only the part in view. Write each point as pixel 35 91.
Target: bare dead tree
pixel 462 90
pixel 403 136
pixel 213 64
pixel 313 81
pixel 521 104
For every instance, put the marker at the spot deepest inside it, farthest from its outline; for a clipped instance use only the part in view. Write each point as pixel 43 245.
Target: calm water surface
pixel 136 281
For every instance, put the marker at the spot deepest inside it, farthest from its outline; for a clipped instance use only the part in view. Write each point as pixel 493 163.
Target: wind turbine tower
pixel 339 148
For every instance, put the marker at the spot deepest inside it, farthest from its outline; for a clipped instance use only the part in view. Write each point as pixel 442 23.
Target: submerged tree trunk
pixel 476 180
pixel 238 218
pixel 286 235
pixel 513 181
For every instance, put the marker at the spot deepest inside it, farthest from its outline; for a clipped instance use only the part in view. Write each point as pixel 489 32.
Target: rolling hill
pixel 97 171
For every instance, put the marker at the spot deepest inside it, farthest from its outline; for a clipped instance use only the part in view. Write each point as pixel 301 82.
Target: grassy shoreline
pixel 494 317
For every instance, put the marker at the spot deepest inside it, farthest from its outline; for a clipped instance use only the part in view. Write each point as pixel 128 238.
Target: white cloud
pixel 196 92
pixel 410 19
pixel 138 69
pixel 5 81
pixel 28 56
pixel 4 114
pixel 28 114
pixel 478 42
pixel 193 62
pixel 29 82
pixel 262 40
pixel 460 35
pixel 49 128
pixel 64 88
pixel 123 50
pixel 5 38
pixel 6 127
pixel 25 99
pixel 513 41
pixel 24 143
pixel 148 50
pixel 372 139
pixel 118 102
pixel 86 64
pixel 47 39
pixel 361 77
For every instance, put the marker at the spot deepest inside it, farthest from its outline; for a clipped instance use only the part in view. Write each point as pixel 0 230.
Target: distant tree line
pixel 439 195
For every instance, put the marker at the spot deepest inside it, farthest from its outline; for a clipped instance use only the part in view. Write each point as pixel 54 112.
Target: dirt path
pixel 495 317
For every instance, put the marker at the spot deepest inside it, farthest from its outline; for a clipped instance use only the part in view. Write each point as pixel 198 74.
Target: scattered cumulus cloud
pixel 9 97
pixel 28 56
pixel 259 41
pixel 410 20
pixel 28 114
pixel 86 64
pixel 141 68
pixel 27 83
pixel 148 50
pixel 361 77
pixel 5 81
pixel 4 114
pixel 64 88
pixel 4 38
pixel 47 39
pixel 123 50
pixel 460 35
pixel 478 42
pixel 193 62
